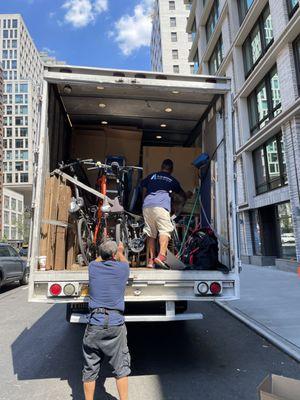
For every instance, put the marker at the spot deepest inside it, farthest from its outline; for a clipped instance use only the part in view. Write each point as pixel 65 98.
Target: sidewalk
pixel 270 304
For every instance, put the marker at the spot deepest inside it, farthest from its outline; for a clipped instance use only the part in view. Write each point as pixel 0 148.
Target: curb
pixel 277 340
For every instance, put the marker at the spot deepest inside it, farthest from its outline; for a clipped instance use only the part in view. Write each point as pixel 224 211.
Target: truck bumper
pixel 170 315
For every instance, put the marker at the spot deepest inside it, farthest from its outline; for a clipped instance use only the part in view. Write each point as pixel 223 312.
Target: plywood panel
pixel 182 157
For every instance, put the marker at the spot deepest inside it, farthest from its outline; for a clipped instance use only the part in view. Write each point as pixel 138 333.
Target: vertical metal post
pixel 37 201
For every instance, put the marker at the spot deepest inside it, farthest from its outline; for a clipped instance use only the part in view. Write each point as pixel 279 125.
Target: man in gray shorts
pixel 106 334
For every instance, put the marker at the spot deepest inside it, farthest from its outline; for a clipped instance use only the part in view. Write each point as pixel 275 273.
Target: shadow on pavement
pixel 215 358
pixel 9 287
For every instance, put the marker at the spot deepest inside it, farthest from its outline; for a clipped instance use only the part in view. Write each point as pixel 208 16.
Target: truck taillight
pixel 69 289
pixel 202 288
pixel 55 289
pixel 215 288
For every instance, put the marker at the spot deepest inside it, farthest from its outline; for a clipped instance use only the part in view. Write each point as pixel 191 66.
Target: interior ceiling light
pixel 158 137
pixel 175 91
pixel 104 122
pixel 100 87
pixel 168 109
pixel 102 105
pixel 67 89
pixel 163 125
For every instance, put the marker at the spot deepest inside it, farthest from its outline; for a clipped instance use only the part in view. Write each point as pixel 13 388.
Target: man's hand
pixel 121 248
pixel 189 194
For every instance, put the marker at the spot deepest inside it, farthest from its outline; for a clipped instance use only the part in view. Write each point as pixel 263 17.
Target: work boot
pixel 160 260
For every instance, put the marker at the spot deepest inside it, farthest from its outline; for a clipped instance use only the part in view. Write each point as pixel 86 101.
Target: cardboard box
pixel 182 157
pixel 275 387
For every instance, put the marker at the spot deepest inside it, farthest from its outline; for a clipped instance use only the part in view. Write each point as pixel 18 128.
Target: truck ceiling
pixel 167 105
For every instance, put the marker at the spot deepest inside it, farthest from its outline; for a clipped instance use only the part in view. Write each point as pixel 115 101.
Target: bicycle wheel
pixel 85 240
pixel 121 236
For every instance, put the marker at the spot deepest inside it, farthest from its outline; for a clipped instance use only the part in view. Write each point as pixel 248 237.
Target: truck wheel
pixel 25 279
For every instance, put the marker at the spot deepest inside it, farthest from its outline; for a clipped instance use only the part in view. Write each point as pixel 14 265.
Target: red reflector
pixel 215 288
pixel 55 289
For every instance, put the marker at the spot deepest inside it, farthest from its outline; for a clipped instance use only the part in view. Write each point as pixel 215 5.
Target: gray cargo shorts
pixel 99 342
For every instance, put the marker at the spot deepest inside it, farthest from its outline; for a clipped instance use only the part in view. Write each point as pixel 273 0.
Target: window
pixel 19 121
pixel 293 5
pixel 13 64
pixel 8 178
pixel 23 88
pixel 258 41
pixel 13 218
pixel 264 103
pixel 243 6
pixel 176 69
pixel 196 62
pixel 5 34
pixel 256 232
pixel 19 143
pixel 4 251
pixel 270 165
pixel 173 37
pixel 286 231
pixel 175 54
pixel 212 20
pixel 20 206
pixel 24 154
pixel 171 5
pixel 172 22
pixel 296 46
pixel 19 166
pixel 14 44
pixel 23 132
pixel 24 178
pixel 15 23
pixel 24 110
pixel 8 88
pixel 18 98
pixel 216 58
pixel 6 217
pixel 6 202
pixel 13 204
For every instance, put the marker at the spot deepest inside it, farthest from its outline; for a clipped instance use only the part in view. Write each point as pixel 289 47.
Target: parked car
pixel 12 266
pixel 23 252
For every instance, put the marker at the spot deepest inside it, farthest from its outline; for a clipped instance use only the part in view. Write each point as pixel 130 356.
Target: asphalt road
pixel 215 359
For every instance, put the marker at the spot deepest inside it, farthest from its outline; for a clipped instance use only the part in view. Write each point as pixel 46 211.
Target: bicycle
pixel 128 227
pixel 83 209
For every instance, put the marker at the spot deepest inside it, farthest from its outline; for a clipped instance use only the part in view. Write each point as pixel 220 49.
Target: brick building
pixel 257 44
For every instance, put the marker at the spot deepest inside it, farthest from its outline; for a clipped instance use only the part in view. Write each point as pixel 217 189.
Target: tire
pixel 122 237
pixel 85 240
pixel 25 279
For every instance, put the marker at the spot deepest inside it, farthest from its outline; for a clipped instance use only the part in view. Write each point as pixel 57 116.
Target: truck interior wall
pixel 59 129
pixel 214 181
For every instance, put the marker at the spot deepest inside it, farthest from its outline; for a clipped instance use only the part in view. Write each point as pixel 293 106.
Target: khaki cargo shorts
pixel 157 221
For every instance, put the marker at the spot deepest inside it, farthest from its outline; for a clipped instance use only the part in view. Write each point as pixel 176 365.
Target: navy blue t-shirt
pixel 107 283
pixel 159 186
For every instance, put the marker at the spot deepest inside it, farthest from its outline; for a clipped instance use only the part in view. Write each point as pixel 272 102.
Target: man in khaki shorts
pixel 156 210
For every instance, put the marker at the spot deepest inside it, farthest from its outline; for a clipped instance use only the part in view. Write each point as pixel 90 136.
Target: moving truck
pixel 145 117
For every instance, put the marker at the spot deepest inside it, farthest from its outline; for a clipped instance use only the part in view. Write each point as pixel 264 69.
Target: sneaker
pixel 151 263
pixel 160 260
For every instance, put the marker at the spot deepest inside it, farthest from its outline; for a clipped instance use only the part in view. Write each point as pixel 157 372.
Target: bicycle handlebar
pixel 100 165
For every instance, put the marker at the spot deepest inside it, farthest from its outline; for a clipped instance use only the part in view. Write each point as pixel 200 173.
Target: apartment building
pixel 13 216
pixel 1 147
pixel 22 73
pixel 170 43
pixel 49 59
pixel 257 44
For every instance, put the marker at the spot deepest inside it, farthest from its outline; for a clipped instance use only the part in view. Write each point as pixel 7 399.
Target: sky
pixel 98 33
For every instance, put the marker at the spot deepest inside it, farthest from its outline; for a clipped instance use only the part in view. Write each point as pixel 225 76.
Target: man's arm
pixel 120 253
